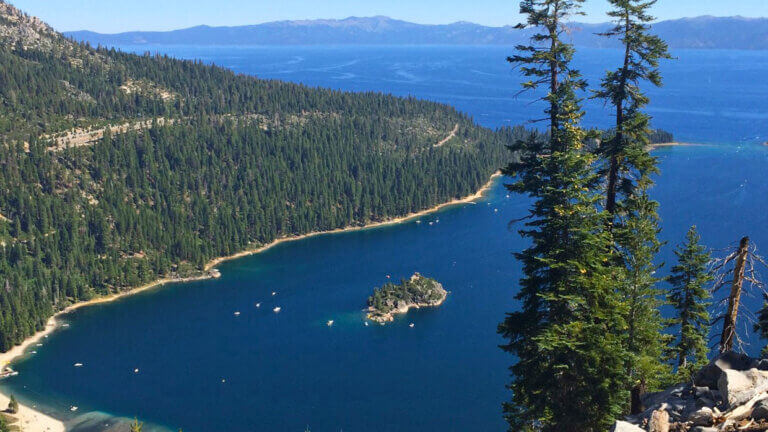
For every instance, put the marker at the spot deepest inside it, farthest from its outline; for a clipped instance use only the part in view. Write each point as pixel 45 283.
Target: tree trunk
pixel 729 321
pixel 637 398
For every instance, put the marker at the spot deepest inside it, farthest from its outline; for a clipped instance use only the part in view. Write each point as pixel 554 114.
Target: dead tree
pixel 738 270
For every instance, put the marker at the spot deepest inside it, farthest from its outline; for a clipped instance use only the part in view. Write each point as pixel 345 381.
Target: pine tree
pixel 628 171
pixel 761 327
pixel 136 426
pixel 13 405
pixel 569 375
pixel 689 297
pixel 627 150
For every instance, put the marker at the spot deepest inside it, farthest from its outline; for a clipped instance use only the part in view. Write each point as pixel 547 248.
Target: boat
pixel 7 372
pixel 274 293
pixel 73 408
pixel 258 305
pixel 495 210
pixel 431 223
pixel 418 221
pixel 329 323
pixel 65 325
pixel 78 365
pixel 276 310
pixel 237 313
pixel 366 323
pixel 136 370
pixel 412 325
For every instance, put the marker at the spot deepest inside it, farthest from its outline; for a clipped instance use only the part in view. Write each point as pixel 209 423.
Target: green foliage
pixel 689 297
pixel 416 290
pixel 627 153
pixel 569 374
pixel 136 426
pixel 13 405
pixel 761 327
pixel 242 163
pixel 627 169
pixel 4 427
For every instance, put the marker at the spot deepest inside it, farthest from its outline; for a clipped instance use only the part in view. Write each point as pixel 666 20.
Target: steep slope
pixel 701 32
pixel 119 169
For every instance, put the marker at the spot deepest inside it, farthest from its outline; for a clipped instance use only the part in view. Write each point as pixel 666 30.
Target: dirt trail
pixel 449 137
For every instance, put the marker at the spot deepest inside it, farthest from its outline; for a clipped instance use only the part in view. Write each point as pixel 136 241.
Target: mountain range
pixel 704 32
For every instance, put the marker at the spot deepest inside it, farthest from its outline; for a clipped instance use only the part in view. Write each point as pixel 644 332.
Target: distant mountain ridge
pixel 704 32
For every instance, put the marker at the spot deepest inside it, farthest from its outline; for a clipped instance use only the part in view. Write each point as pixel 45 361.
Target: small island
pixel 392 299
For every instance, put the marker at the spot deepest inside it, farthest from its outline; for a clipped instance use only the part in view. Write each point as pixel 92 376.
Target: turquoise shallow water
pixel 202 368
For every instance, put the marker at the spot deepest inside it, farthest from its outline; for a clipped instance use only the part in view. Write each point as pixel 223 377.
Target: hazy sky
pixel 122 15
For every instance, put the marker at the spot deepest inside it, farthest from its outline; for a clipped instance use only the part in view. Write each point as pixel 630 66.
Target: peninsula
pixel 392 299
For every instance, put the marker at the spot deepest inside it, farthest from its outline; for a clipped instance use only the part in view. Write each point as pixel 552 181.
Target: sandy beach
pixel 673 144
pixel 34 421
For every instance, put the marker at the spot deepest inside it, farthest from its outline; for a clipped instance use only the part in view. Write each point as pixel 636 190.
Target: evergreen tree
pixel 689 297
pixel 569 375
pixel 629 167
pixel 626 151
pixel 761 327
pixel 136 426
pixel 13 405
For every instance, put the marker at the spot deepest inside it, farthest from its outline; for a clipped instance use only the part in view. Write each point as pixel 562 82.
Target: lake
pixel 201 368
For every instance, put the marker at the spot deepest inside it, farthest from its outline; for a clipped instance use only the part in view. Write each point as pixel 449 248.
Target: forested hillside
pixel 118 169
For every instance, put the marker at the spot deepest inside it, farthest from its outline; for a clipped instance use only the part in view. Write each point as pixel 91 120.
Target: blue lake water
pixel 202 368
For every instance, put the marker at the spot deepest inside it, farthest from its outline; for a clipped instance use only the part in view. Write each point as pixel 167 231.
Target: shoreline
pixel 389 317
pixel 657 146
pixel 35 421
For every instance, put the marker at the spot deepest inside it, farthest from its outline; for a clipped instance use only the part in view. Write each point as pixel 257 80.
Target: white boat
pixel 495 210
pixel 78 365
pixel 412 325
pixel 237 313
pixel 330 323
pixel 418 221
pixel 39 345
pixel 366 323
pixel 136 370
pixel 258 305
pixel 431 223
pixel 73 408
pixel 274 293
pixel 276 310
pixel 33 352
pixel 65 325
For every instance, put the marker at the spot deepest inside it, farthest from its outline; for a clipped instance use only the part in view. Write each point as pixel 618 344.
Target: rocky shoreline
pixel 415 293
pixel 730 394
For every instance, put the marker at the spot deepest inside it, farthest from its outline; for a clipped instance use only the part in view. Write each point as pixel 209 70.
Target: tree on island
pixel 4 424
pixel 136 426
pixel 689 297
pixel 570 370
pixel 13 405
pixel 627 171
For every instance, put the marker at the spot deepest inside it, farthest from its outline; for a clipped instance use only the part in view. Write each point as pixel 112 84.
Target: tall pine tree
pixel 689 297
pixel 569 374
pixel 628 170
pixel 626 151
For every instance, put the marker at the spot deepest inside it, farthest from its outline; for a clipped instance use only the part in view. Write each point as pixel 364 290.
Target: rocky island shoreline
pixel 393 299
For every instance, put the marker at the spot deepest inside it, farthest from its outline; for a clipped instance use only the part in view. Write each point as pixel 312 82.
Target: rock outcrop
pixel 416 292
pixel 730 394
